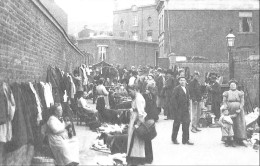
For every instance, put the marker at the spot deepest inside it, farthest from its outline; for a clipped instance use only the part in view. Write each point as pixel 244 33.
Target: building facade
pixel 198 28
pixel 136 23
pixel 119 51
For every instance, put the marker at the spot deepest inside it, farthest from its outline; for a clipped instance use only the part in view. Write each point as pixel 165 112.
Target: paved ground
pixel 208 149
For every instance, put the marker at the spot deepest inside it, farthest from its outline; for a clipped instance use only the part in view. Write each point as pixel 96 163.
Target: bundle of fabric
pixel 252 117
pixel 115 160
pixel 100 146
pixel 113 129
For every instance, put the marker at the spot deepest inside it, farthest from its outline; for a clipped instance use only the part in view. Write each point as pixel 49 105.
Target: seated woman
pixel 82 103
pixel 65 150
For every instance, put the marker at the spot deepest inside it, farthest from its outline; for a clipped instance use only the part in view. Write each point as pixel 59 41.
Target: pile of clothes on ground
pixel 118 159
pixel 111 139
pixel 252 127
pixel 113 129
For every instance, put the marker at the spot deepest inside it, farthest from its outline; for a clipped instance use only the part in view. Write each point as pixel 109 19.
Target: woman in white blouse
pixel 64 149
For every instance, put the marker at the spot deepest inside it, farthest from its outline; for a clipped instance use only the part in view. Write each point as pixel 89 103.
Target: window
pixel 135 35
pixel 149 33
pixel 162 23
pixel 102 52
pixel 122 34
pixel 245 22
pixel 161 49
pixel 149 21
pixel 122 24
pixel 135 21
pixel 159 25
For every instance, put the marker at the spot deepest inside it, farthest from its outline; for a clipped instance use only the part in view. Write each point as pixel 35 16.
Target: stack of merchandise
pixel 118 159
pixel 112 139
pixel 252 125
pixel 113 129
pixel 99 145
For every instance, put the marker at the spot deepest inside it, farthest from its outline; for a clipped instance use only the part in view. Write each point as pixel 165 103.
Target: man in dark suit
pixel 215 91
pixel 195 96
pixel 160 83
pixel 181 112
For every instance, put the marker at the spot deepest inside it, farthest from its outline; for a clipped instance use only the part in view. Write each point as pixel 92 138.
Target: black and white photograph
pixel 129 82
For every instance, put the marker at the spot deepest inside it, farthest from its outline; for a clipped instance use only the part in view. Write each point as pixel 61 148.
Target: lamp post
pixel 230 43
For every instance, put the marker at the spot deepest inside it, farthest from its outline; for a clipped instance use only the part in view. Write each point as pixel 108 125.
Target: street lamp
pixel 230 43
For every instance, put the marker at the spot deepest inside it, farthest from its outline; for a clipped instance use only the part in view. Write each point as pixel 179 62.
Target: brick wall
pixel 203 67
pixel 30 40
pixel 119 51
pixel 247 72
pixel 203 33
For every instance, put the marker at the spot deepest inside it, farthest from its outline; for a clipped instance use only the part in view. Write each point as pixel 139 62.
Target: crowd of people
pixel 176 93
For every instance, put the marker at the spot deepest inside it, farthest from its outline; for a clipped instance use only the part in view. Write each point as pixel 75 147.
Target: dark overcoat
pixel 181 105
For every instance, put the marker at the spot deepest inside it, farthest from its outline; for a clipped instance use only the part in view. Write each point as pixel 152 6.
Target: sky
pixel 96 14
pixel 87 12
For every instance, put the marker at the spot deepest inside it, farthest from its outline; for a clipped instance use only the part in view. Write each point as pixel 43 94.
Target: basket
pixel 146 130
pixel 42 161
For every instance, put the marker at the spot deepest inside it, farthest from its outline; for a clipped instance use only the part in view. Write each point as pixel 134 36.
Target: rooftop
pixel 211 4
pixel 102 37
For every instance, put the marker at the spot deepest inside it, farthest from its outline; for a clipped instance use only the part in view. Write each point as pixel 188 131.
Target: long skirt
pixel 139 151
pixel 239 123
pixel 65 151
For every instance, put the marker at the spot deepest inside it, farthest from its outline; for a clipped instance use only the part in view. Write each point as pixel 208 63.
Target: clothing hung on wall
pixel 8 107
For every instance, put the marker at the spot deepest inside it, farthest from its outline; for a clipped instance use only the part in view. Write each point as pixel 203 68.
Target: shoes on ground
pixel 188 143
pixel 175 142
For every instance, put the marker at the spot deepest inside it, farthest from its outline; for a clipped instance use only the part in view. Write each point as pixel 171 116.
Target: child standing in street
pixel 226 124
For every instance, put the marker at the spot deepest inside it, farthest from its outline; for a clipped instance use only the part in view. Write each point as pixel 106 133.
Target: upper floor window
pixel 135 20
pixel 135 35
pixel 102 52
pixel 159 25
pixel 149 21
pixel 245 22
pixel 122 24
pixel 149 35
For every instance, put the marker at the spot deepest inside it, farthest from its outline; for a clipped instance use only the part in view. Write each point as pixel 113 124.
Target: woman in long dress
pixel 234 100
pixel 139 151
pixel 102 98
pixel 64 149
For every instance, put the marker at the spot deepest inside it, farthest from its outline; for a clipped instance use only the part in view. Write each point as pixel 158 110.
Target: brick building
pixel 119 51
pixel 193 29
pixel 59 14
pixel 197 28
pixel 86 32
pixel 137 23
